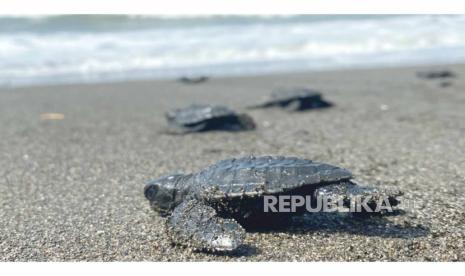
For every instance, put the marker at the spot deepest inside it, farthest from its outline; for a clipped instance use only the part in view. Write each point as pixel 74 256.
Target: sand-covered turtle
pixel 203 117
pixel 209 209
pixel 294 99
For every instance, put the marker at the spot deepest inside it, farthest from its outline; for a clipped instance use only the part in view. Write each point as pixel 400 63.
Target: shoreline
pixel 75 159
pixel 283 73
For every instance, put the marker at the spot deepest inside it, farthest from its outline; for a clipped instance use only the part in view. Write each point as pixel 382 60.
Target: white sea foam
pixel 95 48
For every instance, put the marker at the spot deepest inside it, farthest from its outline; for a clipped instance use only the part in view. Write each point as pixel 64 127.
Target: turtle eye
pixel 150 191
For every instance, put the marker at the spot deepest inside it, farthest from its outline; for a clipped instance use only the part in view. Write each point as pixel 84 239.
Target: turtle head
pixel 162 193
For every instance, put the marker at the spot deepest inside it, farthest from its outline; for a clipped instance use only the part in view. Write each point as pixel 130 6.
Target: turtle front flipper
pixel 359 199
pixel 197 225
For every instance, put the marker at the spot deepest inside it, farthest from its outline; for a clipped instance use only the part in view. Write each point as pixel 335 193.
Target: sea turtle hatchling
pixel 436 74
pixel 193 80
pixel 209 210
pixel 202 117
pixel 294 99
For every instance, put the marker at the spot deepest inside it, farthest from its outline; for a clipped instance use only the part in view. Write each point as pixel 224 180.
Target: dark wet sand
pixel 71 189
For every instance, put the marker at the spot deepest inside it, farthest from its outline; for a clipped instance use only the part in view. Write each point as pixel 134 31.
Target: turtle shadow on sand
pixel 244 250
pixel 332 223
pixel 337 223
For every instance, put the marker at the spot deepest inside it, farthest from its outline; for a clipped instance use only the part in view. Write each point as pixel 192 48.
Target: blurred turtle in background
pixel 436 74
pixel 193 80
pixel 294 99
pixel 203 117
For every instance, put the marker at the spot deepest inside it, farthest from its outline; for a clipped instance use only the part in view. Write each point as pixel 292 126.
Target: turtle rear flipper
pixel 197 225
pixel 360 199
pixel 245 122
pixel 294 105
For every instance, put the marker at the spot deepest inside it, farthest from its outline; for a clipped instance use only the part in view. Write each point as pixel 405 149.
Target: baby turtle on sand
pixel 436 74
pixel 193 80
pixel 209 209
pixel 294 99
pixel 198 118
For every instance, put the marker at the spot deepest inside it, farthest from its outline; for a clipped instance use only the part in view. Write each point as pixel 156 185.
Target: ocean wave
pixel 82 48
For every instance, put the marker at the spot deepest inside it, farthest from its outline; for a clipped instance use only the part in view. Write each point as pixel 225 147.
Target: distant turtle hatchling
pixel 209 210
pixel 294 99
pixel 444 76
pixel 436 74
pixel 199 118
pixel 193 80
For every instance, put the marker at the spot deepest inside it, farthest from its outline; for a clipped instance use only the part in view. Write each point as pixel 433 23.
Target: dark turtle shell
pixel 250 176
pixel 197 113
pixel 293 93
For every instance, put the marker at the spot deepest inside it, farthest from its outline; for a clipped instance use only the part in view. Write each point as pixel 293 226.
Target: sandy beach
pixel 71 185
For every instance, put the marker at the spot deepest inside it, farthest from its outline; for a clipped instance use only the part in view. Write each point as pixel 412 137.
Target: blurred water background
pixel 94 48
